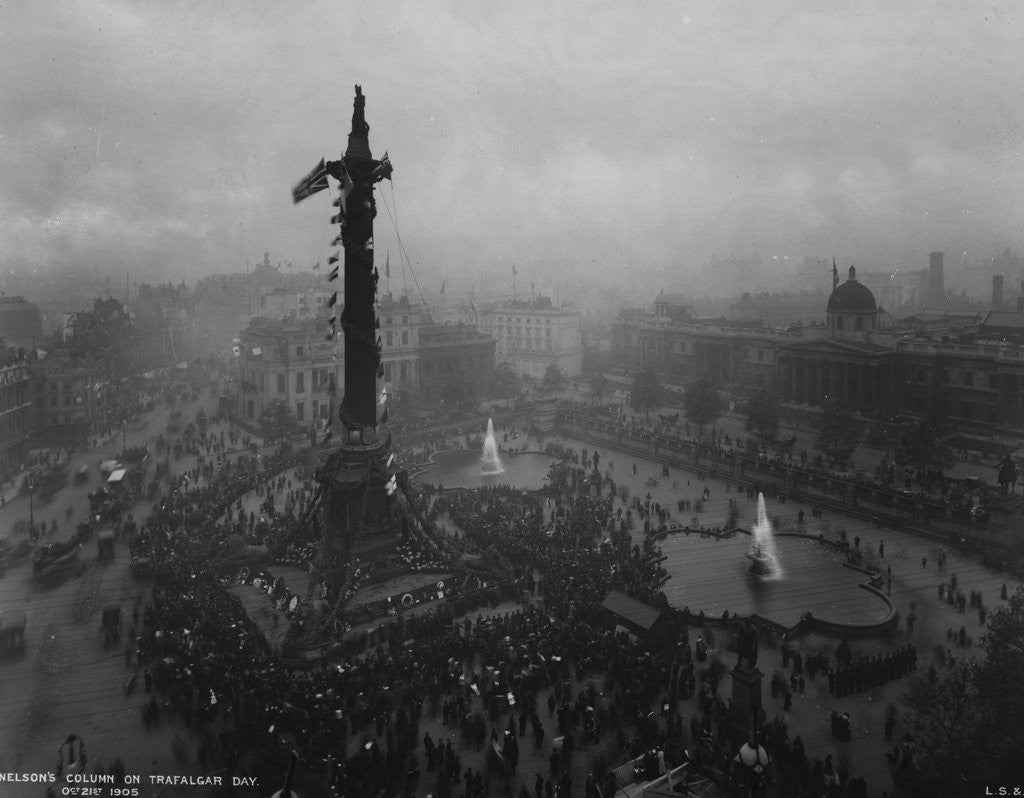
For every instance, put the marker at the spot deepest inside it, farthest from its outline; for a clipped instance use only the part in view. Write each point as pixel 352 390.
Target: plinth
pixel 358 521
pixel 746 696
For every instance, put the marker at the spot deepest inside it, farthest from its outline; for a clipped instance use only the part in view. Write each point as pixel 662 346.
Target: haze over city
pixel 374 377
pixel 597 146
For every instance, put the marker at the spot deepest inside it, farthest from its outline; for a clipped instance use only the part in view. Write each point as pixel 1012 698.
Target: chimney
pixel 997 292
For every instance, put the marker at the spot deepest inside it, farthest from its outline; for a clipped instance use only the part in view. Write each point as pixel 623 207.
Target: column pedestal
pixel 746 695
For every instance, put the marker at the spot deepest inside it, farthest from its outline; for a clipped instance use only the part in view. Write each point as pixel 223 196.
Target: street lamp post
pixel 124 435
pixel 753 759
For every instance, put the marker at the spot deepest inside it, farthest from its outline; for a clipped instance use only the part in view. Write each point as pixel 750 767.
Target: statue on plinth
pixel 747 645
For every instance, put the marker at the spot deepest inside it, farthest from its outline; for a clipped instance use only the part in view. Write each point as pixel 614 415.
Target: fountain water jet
pixel 491 461
pixel 765 560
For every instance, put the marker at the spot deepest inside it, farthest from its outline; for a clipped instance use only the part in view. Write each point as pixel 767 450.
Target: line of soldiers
pixel 872 672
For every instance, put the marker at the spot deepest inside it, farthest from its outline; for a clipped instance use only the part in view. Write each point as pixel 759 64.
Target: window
pixel 859 323
pixel 387 372
pixel 405 337
pixel 969 378
pixel 405 319
pixel 298 351
pixel 404 370
pixel 280 384
pixel 300 411
pixel 388 338
pixel 993 381
pixel 300 382
pixel 839 322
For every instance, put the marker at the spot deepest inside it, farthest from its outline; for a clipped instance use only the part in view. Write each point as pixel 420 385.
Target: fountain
pixel 491 461
pixel 764 559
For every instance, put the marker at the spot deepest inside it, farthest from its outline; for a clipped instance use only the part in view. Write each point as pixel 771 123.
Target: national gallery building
pixel 967 368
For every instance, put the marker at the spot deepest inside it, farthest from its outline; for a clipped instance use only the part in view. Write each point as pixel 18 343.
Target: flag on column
pixel 334 274
pixel 312 183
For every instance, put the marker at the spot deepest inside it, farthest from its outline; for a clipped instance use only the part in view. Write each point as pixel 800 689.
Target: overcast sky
pixel 577 140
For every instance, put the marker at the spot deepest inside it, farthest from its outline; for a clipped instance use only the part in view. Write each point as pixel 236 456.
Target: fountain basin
pixel 462 468
pixel 712 575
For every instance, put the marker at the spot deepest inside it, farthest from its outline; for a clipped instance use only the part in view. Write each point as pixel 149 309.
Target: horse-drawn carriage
pixel 57 559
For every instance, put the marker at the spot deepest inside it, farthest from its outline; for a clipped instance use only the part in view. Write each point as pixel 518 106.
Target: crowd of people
pixel 929 502
pixel 548 674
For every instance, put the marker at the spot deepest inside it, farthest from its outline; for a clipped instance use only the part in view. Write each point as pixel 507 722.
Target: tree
pixel 839 433
pixel 943 713
pixel 925 446
pixel 999 684
pixel 599 386
pixel 762 415
pixel 278 423
pixel 702 404
pixel 505 381
pixel 968 721
pixel 554 380
pixel 646 392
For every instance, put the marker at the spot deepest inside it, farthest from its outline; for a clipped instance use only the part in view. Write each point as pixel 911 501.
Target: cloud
pixel 558 134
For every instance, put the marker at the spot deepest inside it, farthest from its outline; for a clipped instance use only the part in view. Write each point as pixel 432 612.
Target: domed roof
pixel 852 296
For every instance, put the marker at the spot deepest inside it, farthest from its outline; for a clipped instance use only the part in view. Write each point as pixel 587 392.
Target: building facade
pixel 455 355
pixel 15 408
pixel 278 302
pixel 164 325
pixel 967 370
pixel 72 398
pixel 400 323
pixel 287 360
pixel 531 335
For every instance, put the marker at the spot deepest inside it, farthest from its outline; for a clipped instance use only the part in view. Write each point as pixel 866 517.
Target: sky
pixel 587 144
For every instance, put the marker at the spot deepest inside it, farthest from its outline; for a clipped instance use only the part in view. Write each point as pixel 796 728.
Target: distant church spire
pixel 835 275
